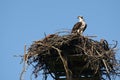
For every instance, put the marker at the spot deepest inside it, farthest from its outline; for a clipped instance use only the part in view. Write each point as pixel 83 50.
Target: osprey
pixel 80 26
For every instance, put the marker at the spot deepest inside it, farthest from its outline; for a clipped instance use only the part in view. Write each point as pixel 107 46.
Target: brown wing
pixel 85 27
pixel 76 27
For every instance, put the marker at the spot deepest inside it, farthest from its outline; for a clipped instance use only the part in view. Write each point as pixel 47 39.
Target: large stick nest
pixel 72 55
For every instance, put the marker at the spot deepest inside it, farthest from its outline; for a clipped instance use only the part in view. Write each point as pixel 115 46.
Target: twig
pixel 64 63
pixel 63 31
pixel 24 66
pixel 90 36
pixel 106 69
pixel 115 45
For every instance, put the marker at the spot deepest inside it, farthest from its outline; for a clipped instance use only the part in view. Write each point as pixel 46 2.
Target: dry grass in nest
pixel 72 55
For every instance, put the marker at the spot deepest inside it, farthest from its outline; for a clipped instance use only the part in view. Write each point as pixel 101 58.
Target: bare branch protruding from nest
pixel 24 64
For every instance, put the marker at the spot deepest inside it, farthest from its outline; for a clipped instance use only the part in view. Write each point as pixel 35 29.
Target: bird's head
pixel 80 18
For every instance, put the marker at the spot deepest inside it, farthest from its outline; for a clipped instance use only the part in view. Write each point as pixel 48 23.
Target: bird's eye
pixel 82 17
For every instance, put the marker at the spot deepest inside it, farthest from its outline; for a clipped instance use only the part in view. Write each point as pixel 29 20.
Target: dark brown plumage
pixel 80 26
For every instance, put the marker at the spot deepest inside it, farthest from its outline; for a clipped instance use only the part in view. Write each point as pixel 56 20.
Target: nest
pixel 73 56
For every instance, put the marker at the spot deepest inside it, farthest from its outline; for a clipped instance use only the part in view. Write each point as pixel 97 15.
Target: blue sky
pixel 24 21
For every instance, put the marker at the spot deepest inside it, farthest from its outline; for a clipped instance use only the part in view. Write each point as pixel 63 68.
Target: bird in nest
pixel 80 26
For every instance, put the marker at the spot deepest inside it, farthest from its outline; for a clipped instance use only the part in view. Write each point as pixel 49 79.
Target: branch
pixel 24 65
pixel 64 63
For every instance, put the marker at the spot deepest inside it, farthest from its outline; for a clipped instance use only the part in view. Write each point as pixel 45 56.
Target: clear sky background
pixel 24 21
